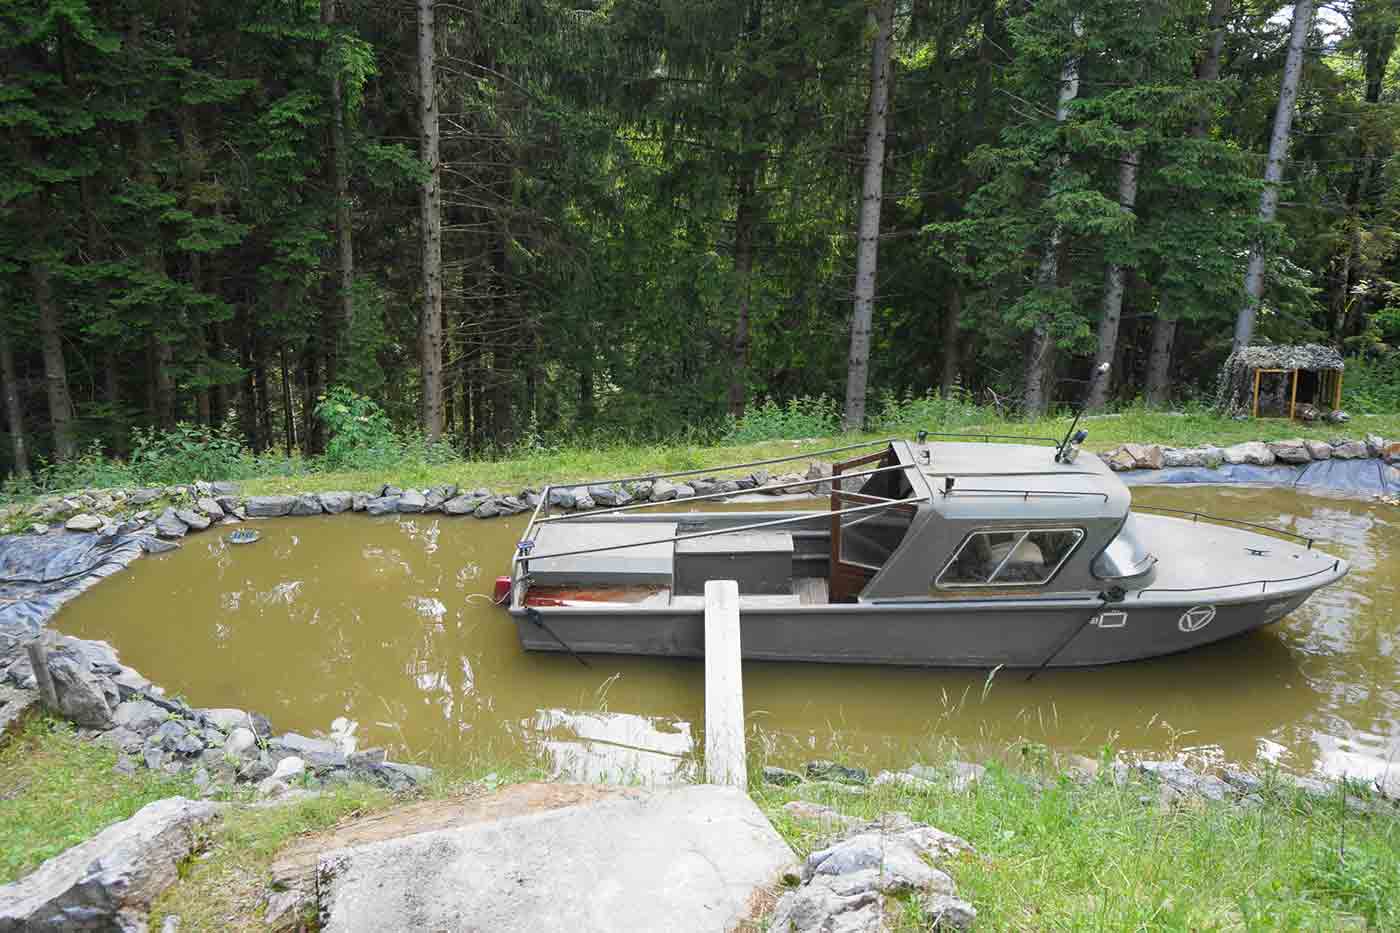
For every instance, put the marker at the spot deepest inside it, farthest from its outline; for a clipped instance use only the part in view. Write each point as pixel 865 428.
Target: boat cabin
pixel 909 521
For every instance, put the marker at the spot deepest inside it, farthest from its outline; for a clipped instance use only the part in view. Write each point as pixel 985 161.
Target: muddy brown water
pixel 388 621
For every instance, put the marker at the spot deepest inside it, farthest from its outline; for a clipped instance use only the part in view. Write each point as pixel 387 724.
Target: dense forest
pixel 517 218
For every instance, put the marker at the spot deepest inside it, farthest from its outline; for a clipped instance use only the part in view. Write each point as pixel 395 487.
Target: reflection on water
pixel 388 621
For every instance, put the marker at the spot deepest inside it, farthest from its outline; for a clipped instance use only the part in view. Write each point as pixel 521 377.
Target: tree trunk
pixel 65 444
pixel 430 227
pixel 952 313
pixel 1273 170
pixel 220 403
pixel 1113 287
pixel 1158 388
pixel 868 233
pixel 1040 362
pixel 745 217
pixel 14 412
pixel 340 161
pixel 289 430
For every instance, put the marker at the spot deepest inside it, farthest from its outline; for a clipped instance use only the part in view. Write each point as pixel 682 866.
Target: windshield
pixel 1126 555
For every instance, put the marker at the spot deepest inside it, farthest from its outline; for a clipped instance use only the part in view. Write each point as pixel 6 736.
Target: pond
pixel 388 621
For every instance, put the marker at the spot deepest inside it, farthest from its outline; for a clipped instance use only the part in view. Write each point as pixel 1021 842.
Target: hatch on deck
pixel 642 563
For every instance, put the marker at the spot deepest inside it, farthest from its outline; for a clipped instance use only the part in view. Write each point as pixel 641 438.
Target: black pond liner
pixel 1359 479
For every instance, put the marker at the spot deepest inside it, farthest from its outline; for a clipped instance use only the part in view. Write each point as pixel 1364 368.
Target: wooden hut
pixel 1281 381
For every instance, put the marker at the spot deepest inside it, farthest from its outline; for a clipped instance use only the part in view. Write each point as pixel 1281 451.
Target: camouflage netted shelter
pixel 1277 380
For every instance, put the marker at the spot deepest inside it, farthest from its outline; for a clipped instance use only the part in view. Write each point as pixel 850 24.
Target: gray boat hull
pixel 1078 633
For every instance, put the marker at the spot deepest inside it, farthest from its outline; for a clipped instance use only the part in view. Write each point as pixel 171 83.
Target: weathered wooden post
pixel 39 661
pixel 725 761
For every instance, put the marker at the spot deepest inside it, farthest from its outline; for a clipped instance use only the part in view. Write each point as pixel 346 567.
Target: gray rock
pixel 895 864
pixel 110 881
pixel 141 716
pixel 81 698
pixel 176 738
pixel 1183 457
pixel 757 478
pixel 333 503
pixel 412 501
pixel 306 504
pixel 122 740
pixel 1375 445
pixel 462 505
pixel 316 753
pixel 435 497
pixel 1242 781
pixel 728 486
pixel 946 912
pixel 663 491
pixel 240 742
pixel 83 522
pixel 254 769
pixel 390 490
pixel 780 776
pixel 831 771
pixel 684 491
pixel 1350 450
pixel 383 505
pixel 125 766
pixel 210 507
pixel 827 817
pixel 1290 451
pixel 270 506
pixel 144 497
pixel 584 503
pixel 641 490
pixel 154 757
pixel 229 504
pixel 704 487
pixel 360 501
pixel 820 470
pixel 130 684
pixel 489 508
pixel 1256 453
pixel 511 505
pixel 561 498
pixel 197 521
pixel 288 769
pixel 169 525
pixel 224 489
pixel 609 497
pixel 227 719
pixel 1318 450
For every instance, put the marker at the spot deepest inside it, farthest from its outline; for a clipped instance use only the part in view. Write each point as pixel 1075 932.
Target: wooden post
pixel 725 760
pixel 1256 393
pixel 1293 401
pixel 1337 405
pixel 39 661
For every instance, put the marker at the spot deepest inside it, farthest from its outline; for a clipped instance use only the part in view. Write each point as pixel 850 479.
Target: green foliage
pixel 186 453
pixel 802 417
pixel 359 434
pixel 908 414
pixel 1371 385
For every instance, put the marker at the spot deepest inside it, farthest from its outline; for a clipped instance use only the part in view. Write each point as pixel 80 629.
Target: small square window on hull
pixel 1021 557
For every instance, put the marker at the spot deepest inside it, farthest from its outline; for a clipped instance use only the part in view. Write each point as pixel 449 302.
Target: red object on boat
pixel 502 591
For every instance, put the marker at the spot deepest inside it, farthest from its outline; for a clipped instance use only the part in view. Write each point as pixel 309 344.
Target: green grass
pixel 57 790
pixel 574 464
pixel 1102 857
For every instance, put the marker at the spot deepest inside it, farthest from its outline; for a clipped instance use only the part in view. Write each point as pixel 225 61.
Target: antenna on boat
pixel 1071 442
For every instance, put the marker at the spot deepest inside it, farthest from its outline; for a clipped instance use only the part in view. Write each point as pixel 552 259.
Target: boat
pixel 939 550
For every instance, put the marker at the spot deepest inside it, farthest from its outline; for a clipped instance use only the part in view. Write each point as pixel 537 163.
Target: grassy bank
pixel 1053 852
pixel 1097 856
pixel 541 465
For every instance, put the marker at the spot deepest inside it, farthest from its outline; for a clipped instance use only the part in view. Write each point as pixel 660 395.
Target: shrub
pixel 183 454
pixel 358 432
pixel 908 413
pixel 1371 385
pixel 806 416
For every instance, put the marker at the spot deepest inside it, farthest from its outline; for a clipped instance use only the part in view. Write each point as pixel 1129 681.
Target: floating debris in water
pixel 243 536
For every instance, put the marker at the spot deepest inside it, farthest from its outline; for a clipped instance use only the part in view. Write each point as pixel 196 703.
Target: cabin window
pixel 1010 558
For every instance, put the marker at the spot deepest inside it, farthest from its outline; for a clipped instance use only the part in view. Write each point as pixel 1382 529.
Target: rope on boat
pixel 1104 600
pixel 537 617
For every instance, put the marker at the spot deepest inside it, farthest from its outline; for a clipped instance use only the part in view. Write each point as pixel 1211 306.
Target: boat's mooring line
pixel 1104 600
pixel 537 617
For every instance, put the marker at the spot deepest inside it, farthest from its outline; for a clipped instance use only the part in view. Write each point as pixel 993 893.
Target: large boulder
pixel 210 507
pixel 382 505
pixel 306 505
pixel 196 521
pixel 561 497
pixel 820 470
pixel 141 716
pixel 462 505
pixel 333 503
pixel 435 497
pixel 609 496
pixel 1375 445
pixel 1290 451
pixel 270 506
pixel 83 522
pixel 1350 450
pixel 1256 453
pixel 169 525
pixel 1318 450
pixel 110 881
pixel 1145 456
pixel 412 501
pixel 81 697
pixel 663 491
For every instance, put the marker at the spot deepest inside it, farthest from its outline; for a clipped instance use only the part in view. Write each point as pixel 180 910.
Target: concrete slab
pixel 677 860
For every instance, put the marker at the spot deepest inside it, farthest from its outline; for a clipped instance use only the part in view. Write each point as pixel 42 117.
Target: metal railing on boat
pixel 1262 584
pixel 1220 519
